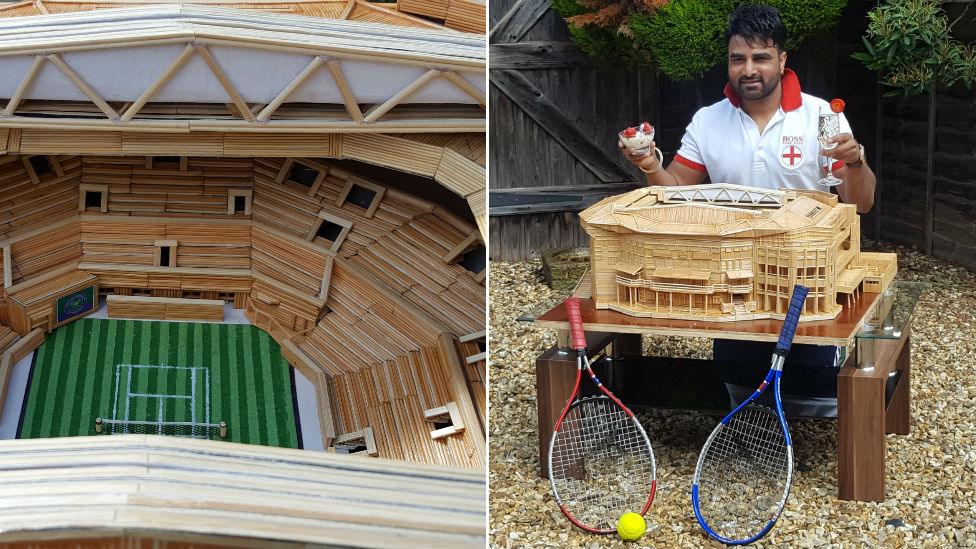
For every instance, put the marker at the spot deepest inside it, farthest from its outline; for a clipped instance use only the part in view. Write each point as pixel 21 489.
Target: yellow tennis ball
pixel 631 526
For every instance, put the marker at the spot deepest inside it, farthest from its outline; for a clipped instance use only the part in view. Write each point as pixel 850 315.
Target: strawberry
pixel 645 127
pixel 630 132
pixel 837 105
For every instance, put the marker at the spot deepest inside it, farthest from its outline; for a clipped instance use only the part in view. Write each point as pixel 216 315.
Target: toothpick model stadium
pixel 313 168
pixel 722 252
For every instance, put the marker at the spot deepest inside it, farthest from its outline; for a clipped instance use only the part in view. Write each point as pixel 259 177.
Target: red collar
pixel 791 93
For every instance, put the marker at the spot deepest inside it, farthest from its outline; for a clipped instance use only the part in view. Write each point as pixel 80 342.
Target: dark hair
pixel 758 25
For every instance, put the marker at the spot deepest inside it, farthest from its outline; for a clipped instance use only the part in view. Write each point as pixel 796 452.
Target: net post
pixel 223 429
pixel 98 425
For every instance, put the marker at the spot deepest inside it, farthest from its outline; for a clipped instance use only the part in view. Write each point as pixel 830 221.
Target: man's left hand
pixel 847 149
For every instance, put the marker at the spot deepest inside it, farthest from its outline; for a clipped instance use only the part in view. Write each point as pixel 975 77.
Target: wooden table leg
pixel 863 420
pixel 899 414
pixel 627 345
pixel 555 372
pixel 860 435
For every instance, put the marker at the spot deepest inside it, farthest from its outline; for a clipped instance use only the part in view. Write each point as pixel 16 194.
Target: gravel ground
pixel 931 475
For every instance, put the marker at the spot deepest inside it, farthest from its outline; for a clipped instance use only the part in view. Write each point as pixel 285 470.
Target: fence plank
pixel 554 120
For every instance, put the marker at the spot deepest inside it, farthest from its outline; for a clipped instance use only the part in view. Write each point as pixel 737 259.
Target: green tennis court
pixel 165 374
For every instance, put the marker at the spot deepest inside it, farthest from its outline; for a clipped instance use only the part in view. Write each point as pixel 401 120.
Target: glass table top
pixel 895 309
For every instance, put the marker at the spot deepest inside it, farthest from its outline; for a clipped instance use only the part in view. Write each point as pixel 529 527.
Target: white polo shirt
pixel 725 143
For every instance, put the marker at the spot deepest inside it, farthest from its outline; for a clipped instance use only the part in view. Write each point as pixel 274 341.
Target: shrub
pixel 908 43
pixel 683 38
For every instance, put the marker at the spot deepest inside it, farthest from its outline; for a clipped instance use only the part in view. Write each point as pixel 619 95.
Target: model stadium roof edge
pixel 325 499
pixel 465 16
pixel 194 54
pixel 660 213
pixel 467 46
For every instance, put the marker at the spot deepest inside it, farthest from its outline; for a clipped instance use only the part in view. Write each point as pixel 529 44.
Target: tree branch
pixel 963 14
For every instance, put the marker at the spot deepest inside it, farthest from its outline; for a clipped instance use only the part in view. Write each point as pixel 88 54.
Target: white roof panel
pixel 120 53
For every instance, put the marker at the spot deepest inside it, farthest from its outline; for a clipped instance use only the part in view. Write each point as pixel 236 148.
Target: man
pixel 764 134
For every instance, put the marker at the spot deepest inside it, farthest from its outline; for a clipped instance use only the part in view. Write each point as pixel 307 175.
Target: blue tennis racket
pixel 745 470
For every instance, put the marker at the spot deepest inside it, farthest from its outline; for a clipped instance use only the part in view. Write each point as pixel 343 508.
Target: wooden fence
pixel 554 120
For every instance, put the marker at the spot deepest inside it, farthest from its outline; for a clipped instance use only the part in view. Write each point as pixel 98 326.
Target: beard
pixel 756 92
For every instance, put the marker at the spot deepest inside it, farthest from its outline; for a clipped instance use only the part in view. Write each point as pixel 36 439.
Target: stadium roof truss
pixel 724 193
pixel 181 68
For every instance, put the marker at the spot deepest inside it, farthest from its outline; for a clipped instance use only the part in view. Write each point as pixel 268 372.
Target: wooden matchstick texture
pixel 165 308
pixel 300 502
pixel 13 348
pixel 462 15
pixel 390 398
pixel 30 304
pixel 363 11
pixel 470 145
pixel 7 338
pixel 428 8
pixel 43 141
pixel 453 160
pixel 365 325
pixel 724 252
pixel 96 539
pixel 466 15
pixel 476 376
pixel 383 151
pixel 37 251
pixel 389 293
pixel 465 177
pixel 25 205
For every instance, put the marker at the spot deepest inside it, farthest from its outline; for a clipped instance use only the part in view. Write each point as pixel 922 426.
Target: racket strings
pixel 601 464
pixel 744 475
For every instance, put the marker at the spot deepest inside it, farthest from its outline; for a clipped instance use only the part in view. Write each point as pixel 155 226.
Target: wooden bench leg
pixel 860 435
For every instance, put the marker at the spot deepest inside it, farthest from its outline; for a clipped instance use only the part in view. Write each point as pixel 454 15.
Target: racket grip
pixel 792 318
pixel 575 323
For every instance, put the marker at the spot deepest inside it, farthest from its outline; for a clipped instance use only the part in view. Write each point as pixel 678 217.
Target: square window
pixel 165 253
pixel 475 260
pixel 361 196
pixel 41 165
pixel 239 201
pixel 93 199
pixel 444 421
pixel 360 442
pixel 329 230
pixel 353 447
pixel 303 175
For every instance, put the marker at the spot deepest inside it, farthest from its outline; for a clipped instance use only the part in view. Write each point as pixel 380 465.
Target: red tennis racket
pixel 601 464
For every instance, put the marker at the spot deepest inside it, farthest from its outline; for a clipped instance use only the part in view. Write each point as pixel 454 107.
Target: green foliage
pixel 908 43
pixel 806 18
pixel 686 38
pixel 608 45
pixel 605 44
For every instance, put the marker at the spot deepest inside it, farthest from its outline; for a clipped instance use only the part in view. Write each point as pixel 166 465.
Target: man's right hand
pixel 646 162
